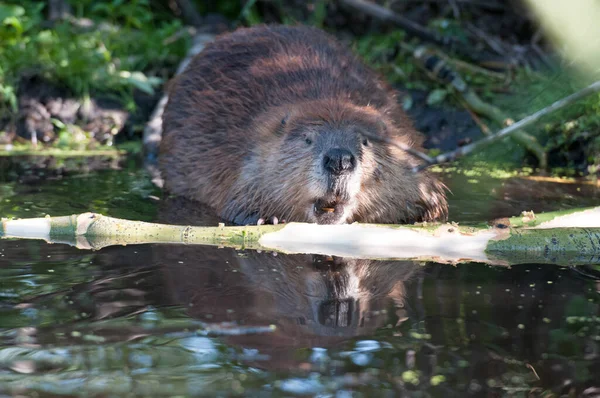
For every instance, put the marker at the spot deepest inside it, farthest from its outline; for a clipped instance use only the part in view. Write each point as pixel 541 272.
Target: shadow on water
pixel 186 320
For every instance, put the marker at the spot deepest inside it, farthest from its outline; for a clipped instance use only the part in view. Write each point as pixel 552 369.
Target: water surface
pixel 158 320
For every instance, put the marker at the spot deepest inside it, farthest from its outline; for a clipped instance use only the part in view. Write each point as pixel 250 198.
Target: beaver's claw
pixel 273 220
pixel 254 219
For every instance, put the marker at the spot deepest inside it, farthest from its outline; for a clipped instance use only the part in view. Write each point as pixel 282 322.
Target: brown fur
pixel 249 120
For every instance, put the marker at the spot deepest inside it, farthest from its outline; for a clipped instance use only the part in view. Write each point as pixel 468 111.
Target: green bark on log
pixel 566 237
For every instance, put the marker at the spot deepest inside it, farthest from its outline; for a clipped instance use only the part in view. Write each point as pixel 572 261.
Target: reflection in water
pixel 379 325
pixel 477 198
pixel 314 301
pixel 376 327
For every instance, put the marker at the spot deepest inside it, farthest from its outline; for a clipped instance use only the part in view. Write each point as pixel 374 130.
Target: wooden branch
pixel 58 9
pixel 485 4
pixel 556 238
pixel 450 156
pixel 189 12
pixel 411 28
pixel 440 71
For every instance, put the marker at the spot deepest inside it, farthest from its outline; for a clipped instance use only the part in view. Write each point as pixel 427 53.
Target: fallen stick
pixel 555 238
pixel 439 70
pixel 561 103
pixel 411 28
pixel 189 12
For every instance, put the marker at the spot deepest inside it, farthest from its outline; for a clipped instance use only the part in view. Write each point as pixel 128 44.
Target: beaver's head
pixel 330 164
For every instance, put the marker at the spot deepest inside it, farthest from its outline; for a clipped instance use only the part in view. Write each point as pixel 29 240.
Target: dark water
pixel 193 321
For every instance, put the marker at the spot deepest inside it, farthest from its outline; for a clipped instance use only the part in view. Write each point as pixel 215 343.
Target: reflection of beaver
pixel 284 122
pixel 314 301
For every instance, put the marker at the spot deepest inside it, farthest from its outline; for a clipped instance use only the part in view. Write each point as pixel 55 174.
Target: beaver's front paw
pixel 273 220
pixel 254 219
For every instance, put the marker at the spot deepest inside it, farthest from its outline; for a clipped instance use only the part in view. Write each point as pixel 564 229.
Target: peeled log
pixel 567 238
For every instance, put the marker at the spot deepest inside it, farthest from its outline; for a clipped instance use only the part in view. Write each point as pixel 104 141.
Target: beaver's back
pixel 245 72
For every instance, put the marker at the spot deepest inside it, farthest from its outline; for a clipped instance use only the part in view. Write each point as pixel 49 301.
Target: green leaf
pixel 10 11
pixel 8 95
pixel 11 28
pixel 319 13
pixel 436 96
pixel 140 81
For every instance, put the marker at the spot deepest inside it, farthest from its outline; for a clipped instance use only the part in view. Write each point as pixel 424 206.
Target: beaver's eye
pixel 308 141
pixel 366 142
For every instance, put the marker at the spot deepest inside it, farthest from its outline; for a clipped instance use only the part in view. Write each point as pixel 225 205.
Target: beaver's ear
pixel 281 127
pixel 382 128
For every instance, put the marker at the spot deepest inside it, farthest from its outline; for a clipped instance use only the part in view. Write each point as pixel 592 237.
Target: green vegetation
pixel 104 56
pixel 115 49
pixel 118 48
pixel 521 93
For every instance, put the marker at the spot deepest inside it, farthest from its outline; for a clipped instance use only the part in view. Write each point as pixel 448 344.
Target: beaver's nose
pixel 339 161
pixel 336 313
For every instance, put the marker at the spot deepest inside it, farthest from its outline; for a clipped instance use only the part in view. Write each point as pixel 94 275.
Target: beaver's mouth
pixel 329 211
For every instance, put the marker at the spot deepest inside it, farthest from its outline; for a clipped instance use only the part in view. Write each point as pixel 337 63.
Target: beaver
pixel 284 122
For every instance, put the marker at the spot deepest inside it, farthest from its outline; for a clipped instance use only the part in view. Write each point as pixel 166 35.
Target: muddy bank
pixel 90 122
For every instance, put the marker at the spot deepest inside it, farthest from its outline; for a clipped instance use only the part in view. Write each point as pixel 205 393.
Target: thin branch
pixel 492 43
pixel 58 9
pixel 439 70
pixel 455 9
pixel 533 370
pixel 411 28
pixel 449 156
pixel 482 126
pixel 189 12
pixel 485 4
pixel 442 71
